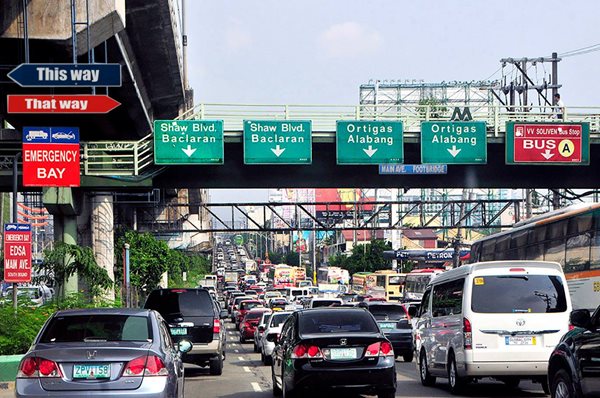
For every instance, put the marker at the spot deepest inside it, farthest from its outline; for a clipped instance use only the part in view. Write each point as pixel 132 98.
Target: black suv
pixel 193 315
pixel 574 366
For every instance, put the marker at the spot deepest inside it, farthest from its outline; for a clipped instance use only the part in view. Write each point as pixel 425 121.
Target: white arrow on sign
pixel 547 155
pixel 277 150
pixel 454 151
pixel 370 152
pixel 189 151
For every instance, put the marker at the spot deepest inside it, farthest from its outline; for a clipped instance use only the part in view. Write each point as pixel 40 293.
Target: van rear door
pixel 517 315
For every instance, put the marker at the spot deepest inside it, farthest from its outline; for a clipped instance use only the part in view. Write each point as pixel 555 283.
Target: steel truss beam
pixel 327 216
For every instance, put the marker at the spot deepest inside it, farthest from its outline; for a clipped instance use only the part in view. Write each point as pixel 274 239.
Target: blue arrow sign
pixel 66 75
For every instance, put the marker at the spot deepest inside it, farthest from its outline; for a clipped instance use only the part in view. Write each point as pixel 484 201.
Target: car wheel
pixel 255 347
pixel 545 386
pixel 287 392
pixel 426 378
pixel 216 366
pixel 263 358
pixel 455 382
pixel 562 385
pixel 242 339
pixel 276 390
pixel 408 357
pixel 386 394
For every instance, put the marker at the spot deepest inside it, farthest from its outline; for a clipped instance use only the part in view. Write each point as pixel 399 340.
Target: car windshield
pixel 253 315
pixel 325 303
pixel 340 321
pixel 528 294
pixel 90 328
pixel 187 302
pixel 387 311
pixel 278 319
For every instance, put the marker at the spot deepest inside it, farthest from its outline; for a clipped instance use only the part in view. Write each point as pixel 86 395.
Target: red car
pixel 245 306
pixel 250 322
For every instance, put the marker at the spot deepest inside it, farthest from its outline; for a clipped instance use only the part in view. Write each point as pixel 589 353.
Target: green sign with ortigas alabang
pixel 369 142
pixel 447 142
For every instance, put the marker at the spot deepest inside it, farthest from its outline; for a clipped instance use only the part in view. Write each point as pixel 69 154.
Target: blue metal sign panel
pixel 12 227
pixel 67 75
pixel 413 169
pixel 51 135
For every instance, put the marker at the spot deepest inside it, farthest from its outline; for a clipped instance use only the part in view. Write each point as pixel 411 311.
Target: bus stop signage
pixel 17 253
pixel 548 143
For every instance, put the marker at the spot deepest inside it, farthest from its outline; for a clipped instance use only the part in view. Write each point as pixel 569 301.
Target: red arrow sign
pixel 547 143
pixel 61 103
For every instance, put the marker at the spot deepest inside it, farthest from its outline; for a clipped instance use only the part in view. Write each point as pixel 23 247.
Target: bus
pixel 283 276
pixel 568 236
pixel 416 281
pixel 392 283
pixel 362 282
pixel 332 275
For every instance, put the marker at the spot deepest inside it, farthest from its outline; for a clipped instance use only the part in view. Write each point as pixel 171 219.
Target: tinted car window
pixel 339 322
pixel 518 293
pixel 65 329
pixel 278 319
pixel 188 302
pixel 249 306
pixel 390 311
pixel 324 303
pixel 253 316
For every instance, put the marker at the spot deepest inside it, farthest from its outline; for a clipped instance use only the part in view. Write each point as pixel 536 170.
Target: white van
pixel 498 319
pixel 291 293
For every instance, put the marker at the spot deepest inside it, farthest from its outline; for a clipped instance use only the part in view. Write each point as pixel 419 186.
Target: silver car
pixel 105 352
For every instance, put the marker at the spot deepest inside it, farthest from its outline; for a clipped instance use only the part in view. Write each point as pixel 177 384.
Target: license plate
pixel 520 340
pixel 178 331
pixel 343 353
pixel 387 325
pixel 101 371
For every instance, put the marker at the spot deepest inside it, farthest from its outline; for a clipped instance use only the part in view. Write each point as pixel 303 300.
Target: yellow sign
pixel 479 281
pixel 566 148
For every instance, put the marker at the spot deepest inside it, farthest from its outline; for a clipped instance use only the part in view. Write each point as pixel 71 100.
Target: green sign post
pixel 453 142
pixel 238 239
pixel 181 142
pixel 369 142
pixel 277 142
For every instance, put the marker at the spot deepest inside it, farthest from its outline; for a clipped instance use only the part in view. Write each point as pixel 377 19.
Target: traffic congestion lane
pixel 245 376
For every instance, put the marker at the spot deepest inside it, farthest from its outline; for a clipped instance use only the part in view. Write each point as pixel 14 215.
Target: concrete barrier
pixel 9 365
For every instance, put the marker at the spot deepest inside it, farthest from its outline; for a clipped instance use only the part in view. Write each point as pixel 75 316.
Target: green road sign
pixel 277 142
pixel 369 142
pixel 239 240
pixel 453 142
pixel 188 142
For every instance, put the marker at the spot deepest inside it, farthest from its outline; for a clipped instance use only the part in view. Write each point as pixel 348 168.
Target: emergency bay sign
pixel 369 142
pixel 453 143
pixel 51 157
pixel 559 143
pixel 180 142
pixel 277 142
pixel 17 253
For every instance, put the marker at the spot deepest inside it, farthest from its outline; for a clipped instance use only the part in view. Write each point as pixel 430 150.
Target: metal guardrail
pixel 134 158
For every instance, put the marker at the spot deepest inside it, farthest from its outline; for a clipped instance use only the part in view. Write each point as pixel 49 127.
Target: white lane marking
pixel 256 387
pixel 241 358
pixel 237 350
pixel 246 369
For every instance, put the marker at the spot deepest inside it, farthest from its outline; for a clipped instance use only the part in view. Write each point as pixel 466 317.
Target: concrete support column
pixel 102 228
pixel 65 230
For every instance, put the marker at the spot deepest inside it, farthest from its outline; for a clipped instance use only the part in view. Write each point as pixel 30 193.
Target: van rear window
pixel 518 294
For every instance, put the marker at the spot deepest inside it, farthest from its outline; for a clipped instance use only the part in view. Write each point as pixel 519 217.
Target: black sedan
pixel 333 349
pixel 574 366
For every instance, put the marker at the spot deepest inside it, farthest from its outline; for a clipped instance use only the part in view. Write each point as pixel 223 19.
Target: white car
pixel 33 134
pixel 64 136
pixel 260 329
pixel 270 334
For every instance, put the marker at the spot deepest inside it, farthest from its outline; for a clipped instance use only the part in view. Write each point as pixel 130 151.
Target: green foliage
pixel 64 260
pixel 18 330
pixel 367 258
pixel 292 258
pixel 276 258
pixel 436 109
pixel 196 266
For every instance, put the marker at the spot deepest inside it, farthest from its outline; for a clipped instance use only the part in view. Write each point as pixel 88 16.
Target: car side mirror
pixel 261 329
pixel 412 311
pixel 581 319
pixel 223 314
pixel 184 346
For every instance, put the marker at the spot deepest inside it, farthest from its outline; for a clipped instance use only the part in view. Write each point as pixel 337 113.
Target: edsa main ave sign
pixel 453 143
pixel 369 142
pixel 181 142
pixel 541 143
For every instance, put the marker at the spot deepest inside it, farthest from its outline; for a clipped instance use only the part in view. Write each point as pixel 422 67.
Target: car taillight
pixel 38 367
pixel 304 351
pixel 216 326
pixel 383 349
pixel 467 334
pixel 150 365
pixel 571 327
pixel 247 325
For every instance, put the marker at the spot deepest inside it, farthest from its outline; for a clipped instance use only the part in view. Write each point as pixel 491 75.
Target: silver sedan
pixel 103 352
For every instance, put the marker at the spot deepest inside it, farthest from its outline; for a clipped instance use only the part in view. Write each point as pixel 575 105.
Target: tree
pixel 367 258
pixel 436 109
pixel 292 258
pixel 65 260
pixel 276 258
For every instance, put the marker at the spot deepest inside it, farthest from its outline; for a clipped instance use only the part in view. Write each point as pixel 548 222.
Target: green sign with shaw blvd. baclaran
pixel 369 142
pixel 453 143
pixel 277 142
pixel 181 142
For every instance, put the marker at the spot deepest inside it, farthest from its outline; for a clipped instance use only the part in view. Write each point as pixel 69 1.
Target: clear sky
pixel 320 51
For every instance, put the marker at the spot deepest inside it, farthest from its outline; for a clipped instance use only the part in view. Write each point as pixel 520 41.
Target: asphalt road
pixel 244 376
